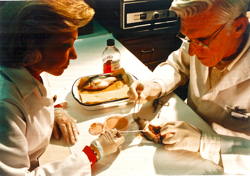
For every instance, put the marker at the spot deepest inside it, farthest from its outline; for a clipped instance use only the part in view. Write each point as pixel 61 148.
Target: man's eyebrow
pixel 203 37
pixel 200 37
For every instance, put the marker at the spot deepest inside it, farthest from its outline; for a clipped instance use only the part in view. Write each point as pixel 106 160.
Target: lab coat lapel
pixel 239 73
pixel 21 78
pixel 202 78
pixel 24 81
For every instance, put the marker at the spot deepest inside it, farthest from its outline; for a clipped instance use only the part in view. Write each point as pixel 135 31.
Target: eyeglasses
pixel 201 44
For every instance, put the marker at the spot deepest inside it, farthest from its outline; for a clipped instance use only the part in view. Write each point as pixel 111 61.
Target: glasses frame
pixel 202 44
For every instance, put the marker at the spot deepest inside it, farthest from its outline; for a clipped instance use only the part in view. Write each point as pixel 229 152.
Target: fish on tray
pixel 99 82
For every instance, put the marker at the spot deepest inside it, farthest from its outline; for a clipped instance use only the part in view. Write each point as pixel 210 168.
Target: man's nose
pixel 194 49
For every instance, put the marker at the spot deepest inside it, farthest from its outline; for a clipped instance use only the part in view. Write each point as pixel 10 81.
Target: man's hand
pixel 144 91
pixel 180 135
pixel 66 124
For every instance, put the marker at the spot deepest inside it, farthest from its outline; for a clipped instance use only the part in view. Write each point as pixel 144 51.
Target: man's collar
pixel 246 47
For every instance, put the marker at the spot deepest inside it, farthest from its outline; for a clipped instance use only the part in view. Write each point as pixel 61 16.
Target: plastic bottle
pixel 111 57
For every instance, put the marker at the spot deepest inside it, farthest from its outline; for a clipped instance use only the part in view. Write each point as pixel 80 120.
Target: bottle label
pixel 111 66
pixel 115 65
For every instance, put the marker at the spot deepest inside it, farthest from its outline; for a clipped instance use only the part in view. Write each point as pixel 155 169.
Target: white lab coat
pixel 26 121
pixel 213 105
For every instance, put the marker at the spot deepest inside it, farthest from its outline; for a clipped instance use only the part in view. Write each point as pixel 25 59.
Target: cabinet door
pixel 152 50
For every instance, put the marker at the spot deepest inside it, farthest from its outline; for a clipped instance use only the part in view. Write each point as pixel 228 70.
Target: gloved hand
pixel 144 91
pixel 108 143
pixel 180 135
pixel 66 124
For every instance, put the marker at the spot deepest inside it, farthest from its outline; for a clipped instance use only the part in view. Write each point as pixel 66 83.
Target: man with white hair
pixel 215 58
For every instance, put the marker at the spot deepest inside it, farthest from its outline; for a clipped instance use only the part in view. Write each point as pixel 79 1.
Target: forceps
pixel 158 102
pixel 139 88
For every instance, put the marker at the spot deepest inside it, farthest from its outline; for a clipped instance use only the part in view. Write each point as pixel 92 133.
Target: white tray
pixel 103 105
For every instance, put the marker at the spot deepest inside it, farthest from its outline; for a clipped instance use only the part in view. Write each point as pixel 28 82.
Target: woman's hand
pixel 67 126
pixel 144 91
pixel 108 142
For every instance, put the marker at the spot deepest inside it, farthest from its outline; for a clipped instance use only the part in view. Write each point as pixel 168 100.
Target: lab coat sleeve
pixel 233 151
pixel 173 72
pixel 75 164
pixel 210 147
pixel 235 154
pixel 14 157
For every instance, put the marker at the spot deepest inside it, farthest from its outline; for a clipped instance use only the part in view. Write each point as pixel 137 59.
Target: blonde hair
pixel 26 25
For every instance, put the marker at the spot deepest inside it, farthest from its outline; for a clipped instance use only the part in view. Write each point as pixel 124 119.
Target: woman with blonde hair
pixel 37 37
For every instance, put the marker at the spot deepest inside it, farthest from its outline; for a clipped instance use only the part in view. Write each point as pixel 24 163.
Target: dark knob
pixel 156 15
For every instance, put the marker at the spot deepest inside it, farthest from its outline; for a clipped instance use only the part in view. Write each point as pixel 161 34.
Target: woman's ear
pixel 239 26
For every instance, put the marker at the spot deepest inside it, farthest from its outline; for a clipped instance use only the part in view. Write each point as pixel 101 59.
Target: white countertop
pixel 137 155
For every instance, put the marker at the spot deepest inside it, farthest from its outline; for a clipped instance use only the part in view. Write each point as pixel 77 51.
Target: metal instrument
pixel 134 131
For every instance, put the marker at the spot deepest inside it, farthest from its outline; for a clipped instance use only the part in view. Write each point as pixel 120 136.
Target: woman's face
pixel 56 53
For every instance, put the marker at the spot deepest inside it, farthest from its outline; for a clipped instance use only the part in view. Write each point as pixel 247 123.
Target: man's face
pixel 57 52
pixel 203 28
